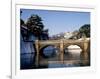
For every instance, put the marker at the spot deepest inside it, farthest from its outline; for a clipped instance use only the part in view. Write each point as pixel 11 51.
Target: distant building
pixel 68 35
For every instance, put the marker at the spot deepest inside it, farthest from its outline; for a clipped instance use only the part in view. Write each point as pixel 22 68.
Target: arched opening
pixel 48 54
pixel 72 49
pixel 48 51
pixel 72 53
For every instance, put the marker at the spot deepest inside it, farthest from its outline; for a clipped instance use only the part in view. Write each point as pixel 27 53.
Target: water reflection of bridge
pixel 84 44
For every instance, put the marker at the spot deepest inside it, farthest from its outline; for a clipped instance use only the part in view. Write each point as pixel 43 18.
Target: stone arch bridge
pixel 84 44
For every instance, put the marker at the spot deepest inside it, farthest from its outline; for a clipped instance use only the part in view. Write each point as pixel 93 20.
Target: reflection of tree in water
pixel 30 31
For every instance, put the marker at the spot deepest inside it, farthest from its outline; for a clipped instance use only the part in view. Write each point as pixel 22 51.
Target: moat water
pixel 72 58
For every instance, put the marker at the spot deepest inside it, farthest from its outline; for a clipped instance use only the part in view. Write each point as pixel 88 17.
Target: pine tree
pixel 35 25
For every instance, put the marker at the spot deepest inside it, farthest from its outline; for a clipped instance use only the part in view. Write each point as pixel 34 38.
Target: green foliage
pixel 35 25
pixel 21 22
pixel 85 30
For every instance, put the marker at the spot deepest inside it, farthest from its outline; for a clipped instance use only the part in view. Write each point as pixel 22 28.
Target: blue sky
pixel 59 21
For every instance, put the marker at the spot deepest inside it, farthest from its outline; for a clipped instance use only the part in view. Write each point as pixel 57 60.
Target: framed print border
pixel 38 73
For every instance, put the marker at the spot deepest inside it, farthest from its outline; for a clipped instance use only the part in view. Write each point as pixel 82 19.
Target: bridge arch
pixel 79 45
pixel 42 49
pixel 72 48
